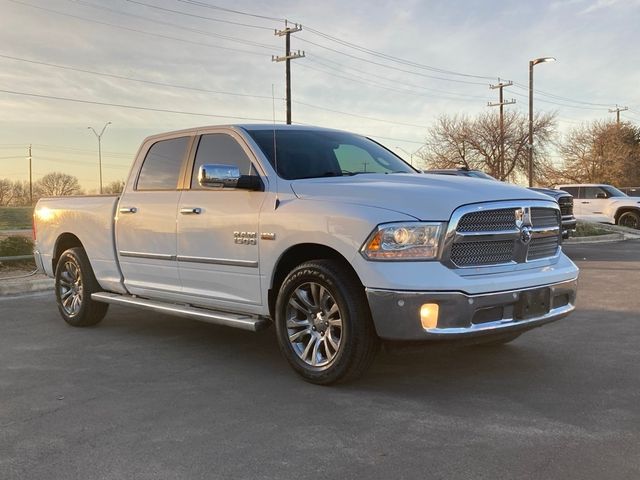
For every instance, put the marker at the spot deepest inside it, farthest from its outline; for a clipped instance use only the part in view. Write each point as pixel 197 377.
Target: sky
pixel 386 69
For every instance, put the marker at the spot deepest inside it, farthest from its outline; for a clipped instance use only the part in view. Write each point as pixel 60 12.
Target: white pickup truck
pixel 326 234
pixel 604 203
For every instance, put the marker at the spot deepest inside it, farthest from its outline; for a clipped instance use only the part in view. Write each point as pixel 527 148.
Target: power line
pixel 173 25
pixel 132 107
pixel 229 10
pixel 122 27
pixel 558 97
pixel 193 15
pixel 133 79
pixel 360 116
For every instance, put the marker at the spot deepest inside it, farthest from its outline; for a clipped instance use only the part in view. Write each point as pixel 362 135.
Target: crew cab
pixel 604 203
pixel 564 199
pixel 326 234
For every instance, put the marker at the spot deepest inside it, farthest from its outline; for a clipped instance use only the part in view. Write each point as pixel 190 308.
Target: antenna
pixel 275 150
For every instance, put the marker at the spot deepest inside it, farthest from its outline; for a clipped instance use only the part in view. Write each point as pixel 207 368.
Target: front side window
pixel 613 191
pixel 162 165
pixel 592 192
pixel 220 149
pixel 318 153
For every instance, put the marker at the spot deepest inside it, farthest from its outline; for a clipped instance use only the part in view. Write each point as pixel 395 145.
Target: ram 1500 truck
pixel 326 234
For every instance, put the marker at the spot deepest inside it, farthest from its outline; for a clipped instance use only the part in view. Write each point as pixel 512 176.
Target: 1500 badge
pixel 244 238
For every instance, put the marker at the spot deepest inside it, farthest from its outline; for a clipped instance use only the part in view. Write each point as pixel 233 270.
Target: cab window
pixel 220 149
pixel 161 167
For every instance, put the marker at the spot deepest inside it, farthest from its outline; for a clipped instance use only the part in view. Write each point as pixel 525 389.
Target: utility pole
pixel 617 111
pixel 99 137
pixel 501 103
pixel 30 178
pixel 288 56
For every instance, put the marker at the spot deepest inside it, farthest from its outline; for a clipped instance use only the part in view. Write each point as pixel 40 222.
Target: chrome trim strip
pixel 149 256
pixel 218 261
pixel 244 322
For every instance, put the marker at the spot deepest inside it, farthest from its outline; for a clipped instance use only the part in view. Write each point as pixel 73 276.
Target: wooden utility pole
pixel 617 111
pixel 30 177
pixel 288 56
pixel 501 103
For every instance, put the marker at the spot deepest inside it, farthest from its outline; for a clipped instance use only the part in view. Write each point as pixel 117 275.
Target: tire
pixel 497 342
pixel 629 219
pixel 75 282
pixel 323 323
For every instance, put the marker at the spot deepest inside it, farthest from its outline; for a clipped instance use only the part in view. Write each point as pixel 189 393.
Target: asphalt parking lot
pixel 150 396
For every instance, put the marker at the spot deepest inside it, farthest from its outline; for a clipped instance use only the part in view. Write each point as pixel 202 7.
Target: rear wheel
pixel 323 323
pixel 630 220
pixel 75 282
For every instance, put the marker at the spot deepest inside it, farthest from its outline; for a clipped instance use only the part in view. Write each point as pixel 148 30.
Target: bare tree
pixel 20 193
pixel 601 152
pixel 58 184
pixel 117 186
pixel 6 192
pixel 475 143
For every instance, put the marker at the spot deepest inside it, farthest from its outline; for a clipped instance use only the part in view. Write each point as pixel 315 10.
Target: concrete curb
pixel 611 237
pixel 25 285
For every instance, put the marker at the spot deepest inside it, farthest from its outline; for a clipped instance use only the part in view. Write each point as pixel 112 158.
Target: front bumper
pixel 396 314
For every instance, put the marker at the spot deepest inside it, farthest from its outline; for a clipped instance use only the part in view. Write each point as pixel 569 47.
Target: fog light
pixel 429 315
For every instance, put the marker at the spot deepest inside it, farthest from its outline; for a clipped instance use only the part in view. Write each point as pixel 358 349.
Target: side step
pixel 245 322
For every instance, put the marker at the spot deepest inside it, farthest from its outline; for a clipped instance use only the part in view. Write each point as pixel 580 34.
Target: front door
pixel 592 207
pixel 218 230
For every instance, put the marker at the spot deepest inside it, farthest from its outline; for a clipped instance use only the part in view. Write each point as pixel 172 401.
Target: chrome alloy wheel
pixel 70 288
pixel 314 324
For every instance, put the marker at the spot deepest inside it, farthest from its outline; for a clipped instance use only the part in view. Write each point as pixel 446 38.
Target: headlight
pixel 403 241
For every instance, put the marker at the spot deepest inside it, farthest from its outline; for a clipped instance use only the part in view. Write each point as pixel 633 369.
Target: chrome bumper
pixel 396 314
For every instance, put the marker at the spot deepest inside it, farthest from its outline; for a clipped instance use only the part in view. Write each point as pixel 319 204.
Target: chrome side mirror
pixel 218 176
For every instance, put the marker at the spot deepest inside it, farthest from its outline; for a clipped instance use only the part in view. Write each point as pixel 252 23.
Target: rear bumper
pixel 396 314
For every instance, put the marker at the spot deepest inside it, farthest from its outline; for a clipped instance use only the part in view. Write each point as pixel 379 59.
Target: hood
pixel 551 192
pixel 625 201
pixel 423 196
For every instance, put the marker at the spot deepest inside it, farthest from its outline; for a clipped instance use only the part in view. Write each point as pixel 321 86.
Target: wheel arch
pixel 296 255
pixel 622 210
pixel 64 242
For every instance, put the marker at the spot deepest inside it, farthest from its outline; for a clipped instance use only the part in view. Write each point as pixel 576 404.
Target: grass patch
pixel 15 218
pixel 589 230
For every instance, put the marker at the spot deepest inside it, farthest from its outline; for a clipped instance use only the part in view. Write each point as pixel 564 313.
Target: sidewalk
pixel 15 283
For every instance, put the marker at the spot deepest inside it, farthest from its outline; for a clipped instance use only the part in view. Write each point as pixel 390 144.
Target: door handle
pixel 191 211
pixel 128 210
pixel 585 203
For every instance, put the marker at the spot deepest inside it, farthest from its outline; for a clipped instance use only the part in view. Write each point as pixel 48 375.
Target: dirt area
pixel 12 269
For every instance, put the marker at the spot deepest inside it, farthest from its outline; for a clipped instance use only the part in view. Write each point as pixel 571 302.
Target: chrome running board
pixel 244 322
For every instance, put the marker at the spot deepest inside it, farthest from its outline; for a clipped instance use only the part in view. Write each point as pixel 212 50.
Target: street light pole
pixel 533 63
pixel 99 137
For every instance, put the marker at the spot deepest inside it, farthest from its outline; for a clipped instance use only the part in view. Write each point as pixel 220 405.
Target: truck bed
pixel 90 218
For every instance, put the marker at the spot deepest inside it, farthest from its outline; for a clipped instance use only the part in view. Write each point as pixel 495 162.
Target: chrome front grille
pixel 502 233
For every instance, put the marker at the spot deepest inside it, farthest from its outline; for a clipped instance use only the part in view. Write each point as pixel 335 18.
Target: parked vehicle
pixel 326 234
pixel 604 203
pixel 564 199
pixel 631 191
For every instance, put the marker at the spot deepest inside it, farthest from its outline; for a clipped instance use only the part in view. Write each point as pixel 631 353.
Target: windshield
pixel 319 153
pixel 613 191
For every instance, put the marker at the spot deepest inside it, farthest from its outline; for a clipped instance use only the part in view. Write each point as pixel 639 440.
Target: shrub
pixel 16 245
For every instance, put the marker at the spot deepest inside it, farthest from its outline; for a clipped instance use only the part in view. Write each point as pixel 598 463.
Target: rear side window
pixel 571 190
pixel 162 165
pixel 220 149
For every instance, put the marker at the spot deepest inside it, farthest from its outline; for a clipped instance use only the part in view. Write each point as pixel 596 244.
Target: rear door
pixel 218 229
pixel 146 219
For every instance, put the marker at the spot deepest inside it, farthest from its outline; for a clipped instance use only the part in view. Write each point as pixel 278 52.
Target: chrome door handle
pixel 128 210
pixel 191 211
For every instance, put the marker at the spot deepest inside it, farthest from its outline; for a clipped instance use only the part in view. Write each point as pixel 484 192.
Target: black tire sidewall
pixel 330 277
pixel 89 283
pixel 635 215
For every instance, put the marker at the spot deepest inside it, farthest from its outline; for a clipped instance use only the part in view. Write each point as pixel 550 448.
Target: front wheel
pixel 630 220
pixel 75 282
pixel 323 323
